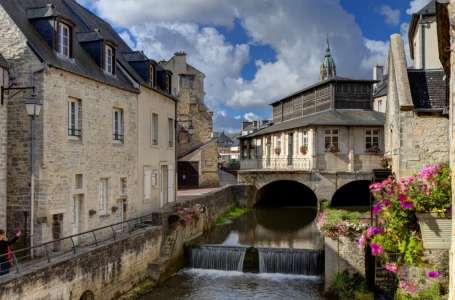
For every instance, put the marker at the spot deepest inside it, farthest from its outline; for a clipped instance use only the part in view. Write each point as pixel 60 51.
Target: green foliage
pixel 232 213
pixel 346 286
pixel 340 222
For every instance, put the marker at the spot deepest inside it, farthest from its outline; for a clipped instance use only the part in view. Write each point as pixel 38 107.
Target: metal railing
pixel 287 163
pixel 70 245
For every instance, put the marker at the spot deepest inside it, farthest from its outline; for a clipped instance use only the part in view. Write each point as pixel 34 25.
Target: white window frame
pixel 118 134
pixel 103 191
pixel 109 59
pixel 75 118
pixel 64 42
pixel 334 138
pixel 370 136
pixel 171 132
pixel 154 126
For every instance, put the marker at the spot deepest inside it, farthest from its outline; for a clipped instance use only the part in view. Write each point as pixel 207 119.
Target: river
pixel 288 233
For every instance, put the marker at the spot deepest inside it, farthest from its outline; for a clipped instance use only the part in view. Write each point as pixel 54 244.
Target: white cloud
pixel 238 117
pixel 379 51
pixel 392 16
pixel 295 30
pixel 250 116
pixel 416 5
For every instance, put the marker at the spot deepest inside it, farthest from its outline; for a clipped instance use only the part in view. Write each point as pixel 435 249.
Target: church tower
pixel 328 67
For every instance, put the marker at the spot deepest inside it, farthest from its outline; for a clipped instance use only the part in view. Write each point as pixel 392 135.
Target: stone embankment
pixel 119 268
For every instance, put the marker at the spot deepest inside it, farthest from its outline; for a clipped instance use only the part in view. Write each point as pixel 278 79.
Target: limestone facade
pixel 414 137
pixel 95 177
pixel 3 143
pixel 195 121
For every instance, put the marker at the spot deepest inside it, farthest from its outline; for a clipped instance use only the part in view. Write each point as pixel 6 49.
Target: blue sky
pixel 254 52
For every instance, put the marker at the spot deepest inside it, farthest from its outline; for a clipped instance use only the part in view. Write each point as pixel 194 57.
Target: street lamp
pixel 33 108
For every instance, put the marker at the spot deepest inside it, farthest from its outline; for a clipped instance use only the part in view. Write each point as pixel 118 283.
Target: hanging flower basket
pixel 436 230
pixel 277 151
pixel 304 150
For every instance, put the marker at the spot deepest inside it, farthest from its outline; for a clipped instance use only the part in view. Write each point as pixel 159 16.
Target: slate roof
pixel 87 26
pixel 332 79
pixel 3 62
pixel 428 89
pixel 340 117
pixel 381 89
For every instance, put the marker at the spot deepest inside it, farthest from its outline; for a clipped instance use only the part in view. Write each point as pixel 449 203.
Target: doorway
pixel 164 191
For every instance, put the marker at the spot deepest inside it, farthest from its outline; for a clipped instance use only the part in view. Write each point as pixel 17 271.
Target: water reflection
pixel 292 227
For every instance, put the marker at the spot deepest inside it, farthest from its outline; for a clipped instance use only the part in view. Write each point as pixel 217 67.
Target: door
pixel 188 174
pixel 77 204
pixel 290 148
pixel 164 191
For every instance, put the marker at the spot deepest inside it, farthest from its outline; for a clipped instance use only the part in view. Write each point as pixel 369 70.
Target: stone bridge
pixel 323 184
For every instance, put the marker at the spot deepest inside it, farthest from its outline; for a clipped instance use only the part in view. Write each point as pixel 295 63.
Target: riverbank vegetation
pixel 231 214
pixel 348 221
pixel 348 286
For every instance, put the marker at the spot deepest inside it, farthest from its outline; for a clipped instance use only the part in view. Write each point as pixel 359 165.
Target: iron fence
pixel 19 259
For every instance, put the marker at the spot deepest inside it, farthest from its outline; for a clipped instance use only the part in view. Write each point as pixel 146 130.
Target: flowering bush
pixel 337 222
pixel 277 151
pixel 397 238
pixel 304 149
pixel 188 214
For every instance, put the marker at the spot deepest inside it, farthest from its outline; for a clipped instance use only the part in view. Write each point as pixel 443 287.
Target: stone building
pixel 98 157
pixel 3 140
pixel 417 115
pixel 328 126
pixel 197 148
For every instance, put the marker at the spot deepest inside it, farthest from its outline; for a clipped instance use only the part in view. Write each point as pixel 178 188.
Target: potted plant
pixel 332 149
pixel 386 162
pixel 277 151
pixel 304 149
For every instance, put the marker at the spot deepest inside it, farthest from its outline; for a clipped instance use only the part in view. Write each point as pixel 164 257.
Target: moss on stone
pixel 232 213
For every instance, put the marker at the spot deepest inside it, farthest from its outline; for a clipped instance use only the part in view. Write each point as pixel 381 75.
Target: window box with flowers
pixel 373 150
pixel 277 151
pixel 304 149
pixel 333 149
pixel 412 213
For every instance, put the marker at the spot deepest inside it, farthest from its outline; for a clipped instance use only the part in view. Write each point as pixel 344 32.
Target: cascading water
pixel 218 258
pixel 291 261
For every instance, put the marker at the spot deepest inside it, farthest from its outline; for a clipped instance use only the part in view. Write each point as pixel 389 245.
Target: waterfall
pixel 218 258
pixel 291 261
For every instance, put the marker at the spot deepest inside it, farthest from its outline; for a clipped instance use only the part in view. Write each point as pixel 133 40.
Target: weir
pixel 265 260
pixel 218 257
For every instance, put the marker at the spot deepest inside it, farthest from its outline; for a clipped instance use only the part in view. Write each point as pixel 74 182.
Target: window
pixel 117 125
pixel 305 138
pixel 154 129
pixel 103 191
pixel 167 83
pixel 75 118
pixel 372 140
pixel 78 181
pixel 64 35
pixel 331 140
pixel 123 186
pixel 109 60
pixel 171 132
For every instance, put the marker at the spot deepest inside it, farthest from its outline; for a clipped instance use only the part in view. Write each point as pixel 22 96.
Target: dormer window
pixel 109 59
pixel 64 40
pixel 167 83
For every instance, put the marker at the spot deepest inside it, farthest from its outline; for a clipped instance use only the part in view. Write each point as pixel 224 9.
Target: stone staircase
pixel 159 266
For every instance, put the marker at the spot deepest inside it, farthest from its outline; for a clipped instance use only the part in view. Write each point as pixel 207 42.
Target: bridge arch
pixel 87 295
pixel 353 193
pixel 285 193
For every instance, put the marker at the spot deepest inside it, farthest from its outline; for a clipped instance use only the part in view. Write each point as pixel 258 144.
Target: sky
pixel 253 52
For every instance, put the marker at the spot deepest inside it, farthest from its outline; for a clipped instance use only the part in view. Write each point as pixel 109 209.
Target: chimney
pixel 180 58
pixel 378 74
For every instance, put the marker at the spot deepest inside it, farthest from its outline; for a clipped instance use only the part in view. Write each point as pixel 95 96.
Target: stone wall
pixel 3 147
pixel 342 254
pixel 450 44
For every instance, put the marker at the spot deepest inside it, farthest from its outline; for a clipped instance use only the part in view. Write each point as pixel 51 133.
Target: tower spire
pixel 328 67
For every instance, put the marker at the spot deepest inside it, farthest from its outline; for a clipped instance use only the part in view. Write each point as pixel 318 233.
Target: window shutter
pixel 171 178
pixel 79 115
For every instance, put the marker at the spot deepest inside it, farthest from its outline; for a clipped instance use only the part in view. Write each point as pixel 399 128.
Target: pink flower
pixel 409 287
pixel 387 202
pixel 402 197
pixel 376 187
pixel 433 274
pixel 430 171
pixel 407 205
pixel 372 231
pixel 391 267
pixel 376 249
pixel 377 208
pixel 362 241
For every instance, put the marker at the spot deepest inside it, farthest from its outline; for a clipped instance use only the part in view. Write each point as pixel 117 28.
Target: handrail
pixel 31 253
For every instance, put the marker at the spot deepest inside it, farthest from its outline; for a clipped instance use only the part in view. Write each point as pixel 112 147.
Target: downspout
pixel 422 42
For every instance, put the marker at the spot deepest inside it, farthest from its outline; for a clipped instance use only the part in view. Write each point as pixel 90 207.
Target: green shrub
pixel 232 213
pixel 346 286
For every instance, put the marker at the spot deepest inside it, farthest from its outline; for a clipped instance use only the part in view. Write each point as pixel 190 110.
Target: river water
pixel 263 228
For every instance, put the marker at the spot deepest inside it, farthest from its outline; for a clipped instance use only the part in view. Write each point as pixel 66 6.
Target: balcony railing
pixel 288 163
